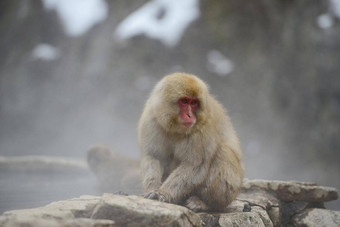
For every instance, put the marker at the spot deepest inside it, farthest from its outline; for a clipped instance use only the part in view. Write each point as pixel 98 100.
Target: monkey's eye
pixel 194 102
pixel 184 101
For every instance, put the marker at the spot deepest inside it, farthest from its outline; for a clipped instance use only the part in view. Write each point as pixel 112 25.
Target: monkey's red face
pixel 188 107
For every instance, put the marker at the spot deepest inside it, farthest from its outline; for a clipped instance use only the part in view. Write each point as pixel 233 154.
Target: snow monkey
pixel 190 153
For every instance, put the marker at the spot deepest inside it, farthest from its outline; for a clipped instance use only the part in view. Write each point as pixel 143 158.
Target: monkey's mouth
pixel 188 124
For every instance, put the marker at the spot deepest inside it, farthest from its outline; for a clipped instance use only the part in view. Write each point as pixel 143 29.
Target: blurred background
pixel 74 73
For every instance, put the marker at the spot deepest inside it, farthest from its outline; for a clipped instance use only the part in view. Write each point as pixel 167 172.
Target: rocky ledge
pixel 261 203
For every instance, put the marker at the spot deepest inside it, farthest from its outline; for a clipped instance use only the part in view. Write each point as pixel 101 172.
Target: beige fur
pixel 199 166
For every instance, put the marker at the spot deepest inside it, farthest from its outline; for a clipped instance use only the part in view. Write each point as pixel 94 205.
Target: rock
pixel 108 210
pixel 317 217
pixel 259 198
pixel 275 215
pixel 262 213
pixel 235 216
pixel 261 203
pixel 79 222
pixel 257 210
pixel 258 217
pixel 42 164
pixel 241 219
pixel 67 209
pixel 137 211
pixel 289 209
pixel 292 190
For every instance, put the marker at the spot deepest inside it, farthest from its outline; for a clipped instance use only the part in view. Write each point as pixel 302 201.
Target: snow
pixel 45 52
pixel 219 64
pixel 325 21
pixel 335 7
pixel 163 20
pixel 78 16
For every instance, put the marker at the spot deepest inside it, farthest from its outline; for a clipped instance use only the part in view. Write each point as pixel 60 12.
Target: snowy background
pixel 74 73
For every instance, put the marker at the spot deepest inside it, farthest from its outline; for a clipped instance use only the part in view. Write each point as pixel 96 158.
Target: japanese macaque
pixel 115 172
pixel 190 153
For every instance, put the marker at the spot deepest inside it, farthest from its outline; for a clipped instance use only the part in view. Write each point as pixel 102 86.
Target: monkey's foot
pixel 196 204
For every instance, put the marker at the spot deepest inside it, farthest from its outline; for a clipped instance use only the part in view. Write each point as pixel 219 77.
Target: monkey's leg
pixel 196 204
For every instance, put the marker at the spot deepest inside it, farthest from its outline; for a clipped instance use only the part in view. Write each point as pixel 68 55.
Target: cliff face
pixel 261 203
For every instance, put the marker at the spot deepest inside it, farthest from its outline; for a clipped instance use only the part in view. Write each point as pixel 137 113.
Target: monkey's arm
pixel 182 181
pixel 152 173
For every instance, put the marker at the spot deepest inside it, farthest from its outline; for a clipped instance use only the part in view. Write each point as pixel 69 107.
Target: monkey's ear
pixel 204 92
pixel 204 106
pixel 159 87
pixel 156 95
pixel 203 97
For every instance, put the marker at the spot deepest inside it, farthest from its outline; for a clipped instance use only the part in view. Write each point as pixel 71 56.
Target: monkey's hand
pixel 158 195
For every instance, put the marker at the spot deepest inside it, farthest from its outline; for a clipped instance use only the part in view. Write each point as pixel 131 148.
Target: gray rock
pixel 79 222
pixel 258 217
pixel 241 219
pixel 108 210
pixel 275 215
pixel 292 190
pixel 260 198
pixel 66 209
pixel 137 211
pixel 236 216
pixel 266 220
pixel 261 203
pixel 42 164
pixel 317 217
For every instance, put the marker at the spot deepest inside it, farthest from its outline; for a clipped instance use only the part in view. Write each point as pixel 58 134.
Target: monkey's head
pixel 180 103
